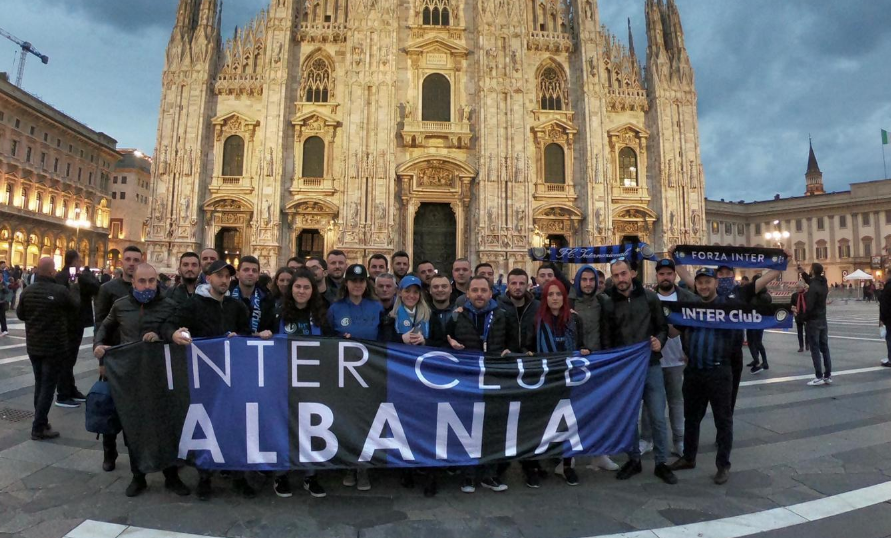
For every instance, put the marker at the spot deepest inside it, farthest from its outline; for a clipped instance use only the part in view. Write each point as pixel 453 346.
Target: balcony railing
pixel 555 190
pixel 418 133
pixel 550 41
pixel 313 185
pixel 232 184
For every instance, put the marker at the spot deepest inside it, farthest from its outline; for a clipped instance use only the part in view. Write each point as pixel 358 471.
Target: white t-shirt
pixel 672 351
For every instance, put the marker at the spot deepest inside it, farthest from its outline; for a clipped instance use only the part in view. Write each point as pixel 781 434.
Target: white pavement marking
pixel 831 336
pixel 20 358
pixel 770 520
pixel 800 377
pixel 13 346
pixel 98 529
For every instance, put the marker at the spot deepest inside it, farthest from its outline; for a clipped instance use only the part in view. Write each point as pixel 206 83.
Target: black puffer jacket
pixel 815 298
pixel 46 308
pixel 885 304
pixel 634 319
pixel 110 292
pixel 205 317
pixel 179 294
pixel 130 320
pixel 462 326
pixel 521 322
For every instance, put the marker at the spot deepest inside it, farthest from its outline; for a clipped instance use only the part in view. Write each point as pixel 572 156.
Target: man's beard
pixel 190 280
pixel 666 286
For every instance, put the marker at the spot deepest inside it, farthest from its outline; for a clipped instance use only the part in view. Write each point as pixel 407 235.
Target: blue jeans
pixel 673 377
pixel 654 404
pixel 818 337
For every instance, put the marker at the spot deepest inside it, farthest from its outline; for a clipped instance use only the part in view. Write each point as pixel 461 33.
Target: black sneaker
pixel 137 486
pixel 572 478
pixel 631 468
pixel 757 369
pixel 664 472
pixel 241 486
pixel 468 486
pixel 78 396
pixel 765 366
pixel 282 487
pixel 430 488
pixel 532 479
pixel 751 364
pixel 203 489
pixel 176 485
pixel 494 484
pixel 313 487
pixel 722 476
pixel 44 434
pixel 68 403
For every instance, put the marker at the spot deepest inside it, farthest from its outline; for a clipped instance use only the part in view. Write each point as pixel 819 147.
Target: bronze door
pixel 435 236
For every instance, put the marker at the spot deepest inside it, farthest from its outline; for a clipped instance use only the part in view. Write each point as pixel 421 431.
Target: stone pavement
pixel 793 444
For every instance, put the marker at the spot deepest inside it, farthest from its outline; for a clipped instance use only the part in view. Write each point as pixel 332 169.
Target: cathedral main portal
pixel 435 235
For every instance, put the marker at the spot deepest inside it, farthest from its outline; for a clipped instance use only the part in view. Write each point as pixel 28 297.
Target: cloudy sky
pixel 768 73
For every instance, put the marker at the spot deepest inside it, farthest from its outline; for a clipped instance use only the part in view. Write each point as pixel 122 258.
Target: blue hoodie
pixel 588 309
pixel 577 283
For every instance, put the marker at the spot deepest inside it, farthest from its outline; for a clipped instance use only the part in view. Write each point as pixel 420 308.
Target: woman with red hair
pixel 557 329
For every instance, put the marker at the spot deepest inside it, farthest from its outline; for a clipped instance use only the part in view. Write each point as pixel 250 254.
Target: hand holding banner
pixel 736 257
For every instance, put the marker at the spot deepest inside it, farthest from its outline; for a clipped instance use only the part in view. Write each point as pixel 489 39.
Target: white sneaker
pixel 885 361
pixel 5 333
pixel 827 380
pixel 645 447
pixel 603 463
pixel 816 382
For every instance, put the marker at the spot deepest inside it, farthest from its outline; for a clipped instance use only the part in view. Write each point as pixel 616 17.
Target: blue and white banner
pixel 604 254
pixel 250 404
pixel 727 316
pixel 736 257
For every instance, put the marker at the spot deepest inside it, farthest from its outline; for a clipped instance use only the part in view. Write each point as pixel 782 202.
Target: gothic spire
pixel 631 41
pixel 812 165
pixel 813 177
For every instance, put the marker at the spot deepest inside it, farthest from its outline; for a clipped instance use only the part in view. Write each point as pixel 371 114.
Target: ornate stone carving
pixel 436 177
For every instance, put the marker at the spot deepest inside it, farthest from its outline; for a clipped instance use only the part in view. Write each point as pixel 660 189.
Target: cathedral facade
pixel 445 128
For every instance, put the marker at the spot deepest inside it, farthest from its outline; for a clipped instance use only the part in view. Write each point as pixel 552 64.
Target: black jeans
pixel 802 342
pixel 66 387
pixel 46 375
pixel 818 337
pixel 756 345
pixel 736 366
pixel 701 388
pixel 3 326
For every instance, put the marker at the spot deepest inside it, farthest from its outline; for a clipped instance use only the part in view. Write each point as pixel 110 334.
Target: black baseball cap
pixel 706 271
pixel 665 262
pixel 356 271
pixel 218 266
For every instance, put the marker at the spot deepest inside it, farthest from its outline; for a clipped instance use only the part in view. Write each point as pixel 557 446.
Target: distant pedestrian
pixel 46 307
pixel 817 328
pixel 798 301
pixel 756 336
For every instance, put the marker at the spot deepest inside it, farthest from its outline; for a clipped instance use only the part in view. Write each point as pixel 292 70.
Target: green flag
pixel 884 137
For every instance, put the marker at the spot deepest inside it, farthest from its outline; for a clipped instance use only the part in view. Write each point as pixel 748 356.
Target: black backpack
pixel 101 416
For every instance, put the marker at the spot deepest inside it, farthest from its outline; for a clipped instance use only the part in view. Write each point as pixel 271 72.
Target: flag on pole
pixel 884 137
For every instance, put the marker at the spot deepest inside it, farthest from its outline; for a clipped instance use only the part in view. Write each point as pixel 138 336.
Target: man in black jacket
pixel 46 307
pixel 210 313
pixel 817 328
pixel 134 318
pixel 520 306
pixel 189 269
pixel 479 324
pixel 116 288
pixel 632 314
pixel 67 393
pixel 885 317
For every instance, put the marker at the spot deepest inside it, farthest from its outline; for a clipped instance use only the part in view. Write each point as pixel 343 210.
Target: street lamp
pixel 777 237
pixel 77 224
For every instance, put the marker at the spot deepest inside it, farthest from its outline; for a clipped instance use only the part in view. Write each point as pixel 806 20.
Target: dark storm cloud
pixel 137 15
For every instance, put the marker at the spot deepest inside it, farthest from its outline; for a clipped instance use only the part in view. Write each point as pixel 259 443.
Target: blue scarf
pixel 405 322
pixel 255 304
pixel 547 342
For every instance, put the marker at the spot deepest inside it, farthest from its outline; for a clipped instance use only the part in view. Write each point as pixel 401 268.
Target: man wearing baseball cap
pixel 708 379
pixel 210 313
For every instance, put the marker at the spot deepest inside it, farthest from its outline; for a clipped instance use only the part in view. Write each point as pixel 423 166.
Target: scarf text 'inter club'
pixel 266 405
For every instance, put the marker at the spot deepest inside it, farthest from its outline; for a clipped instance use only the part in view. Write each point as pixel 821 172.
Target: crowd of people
pixel 461 307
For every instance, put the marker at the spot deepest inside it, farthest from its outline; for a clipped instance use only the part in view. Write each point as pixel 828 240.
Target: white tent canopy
pixel 859 275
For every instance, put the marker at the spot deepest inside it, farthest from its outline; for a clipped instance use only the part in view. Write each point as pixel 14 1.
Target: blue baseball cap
pixel 706 271
pixel 665 262
pixel 409 280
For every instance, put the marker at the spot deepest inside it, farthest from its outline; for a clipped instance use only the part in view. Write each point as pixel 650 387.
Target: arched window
pixel 64 209
pixel 552 89
pixel 426 17
pixel 436 19
pixel 437 98
pixel 52 206
pixel 628 167
pixel 435 13
pixel 314 157
pixel 445 17
pixel 8 198
pixel 38 203
pixel 318 84
pixel 233 156
pixel 555 164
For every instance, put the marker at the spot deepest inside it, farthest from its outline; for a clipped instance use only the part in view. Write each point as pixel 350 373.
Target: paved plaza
pixel 807 461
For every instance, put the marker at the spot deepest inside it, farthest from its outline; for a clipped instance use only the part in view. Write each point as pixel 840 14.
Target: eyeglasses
pixel 617 260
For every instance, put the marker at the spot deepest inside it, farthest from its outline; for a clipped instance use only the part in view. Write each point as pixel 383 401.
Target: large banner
pixel 737 257
pixel 251 404
pixel 728 316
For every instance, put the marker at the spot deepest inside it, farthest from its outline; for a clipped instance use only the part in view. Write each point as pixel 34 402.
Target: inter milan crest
pixel 345 322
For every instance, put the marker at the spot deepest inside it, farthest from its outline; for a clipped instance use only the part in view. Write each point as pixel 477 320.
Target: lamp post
pixel 77 224
pixel 776 235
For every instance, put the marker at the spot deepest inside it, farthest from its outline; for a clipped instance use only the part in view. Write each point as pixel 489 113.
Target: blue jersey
pixel 358 320
pixel 708 348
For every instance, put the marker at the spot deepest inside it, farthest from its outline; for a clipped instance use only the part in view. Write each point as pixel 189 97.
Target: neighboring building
pixel 442 127
pixel 844 231
pixel 53 170
pixel 131 184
